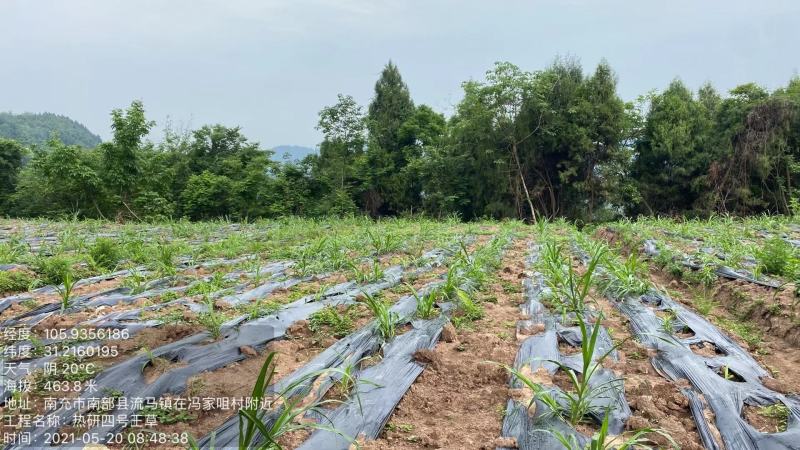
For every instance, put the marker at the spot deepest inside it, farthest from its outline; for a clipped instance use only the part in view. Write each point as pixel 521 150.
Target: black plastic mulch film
pixel 710 390
pixel 195 354
pixel 536 430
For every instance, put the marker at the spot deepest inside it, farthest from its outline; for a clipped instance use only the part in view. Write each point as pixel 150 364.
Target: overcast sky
pixel 271 65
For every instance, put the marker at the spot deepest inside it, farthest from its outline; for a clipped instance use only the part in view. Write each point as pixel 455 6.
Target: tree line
pixel 557 142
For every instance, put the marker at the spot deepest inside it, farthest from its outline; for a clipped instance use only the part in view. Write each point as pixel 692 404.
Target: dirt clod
pixel 298 329
pixel 449 334
pixel 248 351
pixel 428 357
pixel 506 442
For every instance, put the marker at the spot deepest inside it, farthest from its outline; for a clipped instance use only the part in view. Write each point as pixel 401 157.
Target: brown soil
pixel 762 420
pixel 459 400
pixel 772 310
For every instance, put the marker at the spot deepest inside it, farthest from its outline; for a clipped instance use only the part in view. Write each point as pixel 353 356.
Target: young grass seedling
pixel 386 319
pixel 575 404
pixel 261 428
pixel 601 441
pixel 426 304
pixel 65 289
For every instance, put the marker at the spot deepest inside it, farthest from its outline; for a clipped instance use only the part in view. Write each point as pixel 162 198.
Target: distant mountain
pixel 294 152
pixel 31 129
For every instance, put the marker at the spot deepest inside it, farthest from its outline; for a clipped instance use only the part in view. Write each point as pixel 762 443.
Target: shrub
pixel 14 281
pixel 105 254
pixel 776 257
pixel 52 269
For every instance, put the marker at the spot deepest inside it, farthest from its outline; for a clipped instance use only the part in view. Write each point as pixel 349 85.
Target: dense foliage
pixel 32 129
pixel 552 143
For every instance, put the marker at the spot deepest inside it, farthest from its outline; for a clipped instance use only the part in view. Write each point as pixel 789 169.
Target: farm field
pixel 400 334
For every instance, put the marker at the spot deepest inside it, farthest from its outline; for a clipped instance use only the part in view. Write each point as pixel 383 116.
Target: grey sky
pixel 271 65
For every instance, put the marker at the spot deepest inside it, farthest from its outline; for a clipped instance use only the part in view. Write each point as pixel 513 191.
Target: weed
pixel 259 308
pixel 373 272
pixel 383 243
pixel 777 411
pixel 215 283
pixel 703 301
pixel 165 261
pixel 471 310
pixel 668 321
pixel 14 281
pixel 168 296
pixel 165 415
pixel 777 257
pixel 744 330
pixel 10 251
pixel 52 269
pixel 510 288
pixel 628 278
pixel 340 323
pixel 104 254
pixel 136 281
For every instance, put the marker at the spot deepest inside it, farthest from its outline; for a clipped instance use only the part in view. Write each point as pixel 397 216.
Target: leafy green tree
pixel 390 108
pixel 11 153
pixel 758 169
pixel 121 166
pixel 339 168
pixel 290 190
pixel 671 155
pixel 60 180
pixel 207 196
pixel 603 179
pixel 418 136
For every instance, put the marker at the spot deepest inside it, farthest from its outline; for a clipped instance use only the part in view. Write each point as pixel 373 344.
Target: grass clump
pixel 51 270
pixel 778 412
pixel 744 330
pixel 626 278
pixel 212 320
pixel 340 323
pixel 469 310
pixel 777 257
pixel 104 254
pixel 259 308
pixel 165 415
pixel 215 283
pixel 15 281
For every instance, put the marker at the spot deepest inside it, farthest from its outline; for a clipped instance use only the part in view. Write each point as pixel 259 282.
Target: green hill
pixel 30 128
